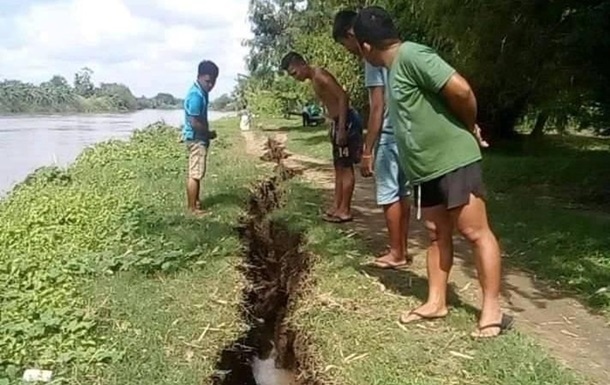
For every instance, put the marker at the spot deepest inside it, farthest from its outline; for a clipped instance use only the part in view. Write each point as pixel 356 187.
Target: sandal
pixel 383 265
pixel 336 219
pixel 504 325
pixel 421 317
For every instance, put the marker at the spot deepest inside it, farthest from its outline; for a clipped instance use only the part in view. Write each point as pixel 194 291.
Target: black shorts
pixel 350 154
pixel 453 189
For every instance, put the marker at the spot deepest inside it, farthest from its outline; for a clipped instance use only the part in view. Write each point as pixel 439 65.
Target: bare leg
pixel 338 188
pixel 394 217
pixel 471 221
pixel 192 193
pixel 347 184
pixel 406 219
pixel 439 263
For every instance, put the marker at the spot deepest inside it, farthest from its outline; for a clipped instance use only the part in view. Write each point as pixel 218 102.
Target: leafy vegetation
pixel 57 95
pixel 223 103
pixel 535 63
pixel 63 232
pixel 115 285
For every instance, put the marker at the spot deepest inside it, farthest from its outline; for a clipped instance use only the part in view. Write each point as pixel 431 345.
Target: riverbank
pixel 109 282
pixel 28 142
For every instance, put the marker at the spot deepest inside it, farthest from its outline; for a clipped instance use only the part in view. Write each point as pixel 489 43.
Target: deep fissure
pixel 275 268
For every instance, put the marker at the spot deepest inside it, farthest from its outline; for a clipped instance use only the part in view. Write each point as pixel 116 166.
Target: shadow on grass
pixel 407 283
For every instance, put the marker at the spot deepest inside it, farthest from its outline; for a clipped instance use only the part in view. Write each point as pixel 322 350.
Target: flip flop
pixel 505 325
pixel 421 317
pixel 336 219
pixel 388 266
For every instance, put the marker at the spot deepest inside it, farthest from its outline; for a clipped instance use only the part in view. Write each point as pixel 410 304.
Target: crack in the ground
pixel 275 268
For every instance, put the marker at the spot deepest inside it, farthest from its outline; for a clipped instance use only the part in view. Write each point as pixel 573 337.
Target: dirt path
pixel 574 336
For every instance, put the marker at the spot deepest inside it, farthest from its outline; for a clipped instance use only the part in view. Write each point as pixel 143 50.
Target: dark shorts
pixel 453 189
pixel 347 156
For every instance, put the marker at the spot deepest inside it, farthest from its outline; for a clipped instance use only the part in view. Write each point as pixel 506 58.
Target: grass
pixel 102 266
pixel 351 317
pixel 152 295
pixel 564 240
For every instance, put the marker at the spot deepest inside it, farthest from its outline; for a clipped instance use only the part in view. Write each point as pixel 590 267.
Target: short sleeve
pixel 194 104
pixel 426 67
pixel 373 76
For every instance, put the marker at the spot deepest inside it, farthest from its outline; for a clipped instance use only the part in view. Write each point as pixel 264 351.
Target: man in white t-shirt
pixel 380 153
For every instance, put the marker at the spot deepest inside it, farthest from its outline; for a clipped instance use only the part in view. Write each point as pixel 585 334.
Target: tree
pixel 82 82
pixel 222 103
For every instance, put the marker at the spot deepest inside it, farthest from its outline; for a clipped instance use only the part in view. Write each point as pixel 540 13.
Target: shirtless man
pixel 345 131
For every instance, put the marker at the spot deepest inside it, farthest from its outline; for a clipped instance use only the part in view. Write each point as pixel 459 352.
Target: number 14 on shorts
pixel 344 152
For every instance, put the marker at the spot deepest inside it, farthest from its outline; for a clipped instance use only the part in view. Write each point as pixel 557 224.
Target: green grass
pixel 351 316
pixel 105 267
pixel 548 203
pixel 101 265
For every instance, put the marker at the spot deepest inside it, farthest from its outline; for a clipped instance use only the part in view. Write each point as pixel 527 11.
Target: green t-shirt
pixel 431 140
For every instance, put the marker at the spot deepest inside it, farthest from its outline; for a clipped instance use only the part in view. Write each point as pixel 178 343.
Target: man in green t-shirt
pixel 433 111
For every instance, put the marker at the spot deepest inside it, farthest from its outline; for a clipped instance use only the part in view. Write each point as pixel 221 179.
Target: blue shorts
pixel 351 153
pixel 390 181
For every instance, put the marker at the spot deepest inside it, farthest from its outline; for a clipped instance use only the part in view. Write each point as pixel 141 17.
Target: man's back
pixel 325 86
pixel 195 105
pixel 433 140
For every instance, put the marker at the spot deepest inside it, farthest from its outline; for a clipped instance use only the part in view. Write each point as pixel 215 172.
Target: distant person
pixel 345 132
pixel 434 113
pixel 380 153
pixel 196 131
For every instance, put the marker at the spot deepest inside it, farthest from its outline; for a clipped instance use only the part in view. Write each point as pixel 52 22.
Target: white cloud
pixel 150 45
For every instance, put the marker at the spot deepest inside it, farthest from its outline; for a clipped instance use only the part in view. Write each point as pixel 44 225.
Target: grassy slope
pixel 122 210
pixel 565 239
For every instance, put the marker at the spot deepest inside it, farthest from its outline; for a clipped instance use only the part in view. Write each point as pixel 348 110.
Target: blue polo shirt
pixel 378 77
pixel 195 105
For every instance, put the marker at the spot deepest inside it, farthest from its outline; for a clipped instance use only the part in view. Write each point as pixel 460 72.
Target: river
pixel 28 142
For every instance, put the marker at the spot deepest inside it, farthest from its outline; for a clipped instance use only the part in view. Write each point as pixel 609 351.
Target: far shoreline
pixel 4 193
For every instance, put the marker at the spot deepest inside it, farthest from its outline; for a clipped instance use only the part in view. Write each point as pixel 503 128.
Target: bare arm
pixel 376 103
pixel 461 101
pixel 200 127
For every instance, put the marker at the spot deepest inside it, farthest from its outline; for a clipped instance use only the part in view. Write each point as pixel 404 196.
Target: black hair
pixel 375 26
pixel 207 67
pixel 344 21
pixel 291 58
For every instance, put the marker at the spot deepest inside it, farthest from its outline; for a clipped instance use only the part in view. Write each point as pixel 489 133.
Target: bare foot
pixel 390 258
pixel 423 313
pixel 330 212
pixel 492 323
pixel 198 213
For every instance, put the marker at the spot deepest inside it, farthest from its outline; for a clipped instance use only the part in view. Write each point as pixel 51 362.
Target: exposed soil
pixel 567 329
pixel 275 270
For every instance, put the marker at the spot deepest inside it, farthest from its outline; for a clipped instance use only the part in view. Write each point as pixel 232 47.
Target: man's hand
pixel 477 134
pixel 366 165
pixel 341 137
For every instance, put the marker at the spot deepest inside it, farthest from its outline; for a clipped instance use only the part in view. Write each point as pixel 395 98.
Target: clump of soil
pixel 274 151
pixel 274 267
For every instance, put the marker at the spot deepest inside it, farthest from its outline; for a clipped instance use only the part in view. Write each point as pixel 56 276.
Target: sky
pixel 151 46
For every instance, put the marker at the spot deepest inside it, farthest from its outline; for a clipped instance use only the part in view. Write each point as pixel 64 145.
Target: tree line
pixel 59 96
pixel 535 65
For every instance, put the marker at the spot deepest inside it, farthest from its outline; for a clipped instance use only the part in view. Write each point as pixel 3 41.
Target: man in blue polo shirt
pixel 380 153
pixel 196 131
